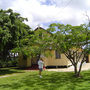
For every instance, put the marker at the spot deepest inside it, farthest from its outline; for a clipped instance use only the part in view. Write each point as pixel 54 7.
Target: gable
pixel 41 32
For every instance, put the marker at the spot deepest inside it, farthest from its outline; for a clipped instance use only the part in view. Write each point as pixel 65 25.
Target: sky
pixel 45 12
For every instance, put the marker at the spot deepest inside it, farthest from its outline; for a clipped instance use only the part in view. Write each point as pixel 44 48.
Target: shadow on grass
pixel 51 81
pixel 5 71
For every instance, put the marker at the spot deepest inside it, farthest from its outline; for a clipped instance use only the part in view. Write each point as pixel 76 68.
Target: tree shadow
pixel 5 71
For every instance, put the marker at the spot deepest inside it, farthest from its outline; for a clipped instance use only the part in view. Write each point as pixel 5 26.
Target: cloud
pixel 5 3
pixel 43 12
pixel 36 12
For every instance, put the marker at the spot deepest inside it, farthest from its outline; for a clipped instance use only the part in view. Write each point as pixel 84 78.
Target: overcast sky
pixel 44 12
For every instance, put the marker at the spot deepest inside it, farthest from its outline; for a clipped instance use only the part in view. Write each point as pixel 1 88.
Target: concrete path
pixel 86 66
pixel 7 75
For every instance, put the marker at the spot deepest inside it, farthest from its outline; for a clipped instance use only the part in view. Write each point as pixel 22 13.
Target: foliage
pixel 11 62
pixel 12 30
pixel 72 41
pixel 42 40
pixel 35 43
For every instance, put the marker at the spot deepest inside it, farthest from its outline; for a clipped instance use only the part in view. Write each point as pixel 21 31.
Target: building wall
pixel 28 62
pixel 49 60
pixel 89 58
pixel 52 61
pixel 21 61
pixel 34 60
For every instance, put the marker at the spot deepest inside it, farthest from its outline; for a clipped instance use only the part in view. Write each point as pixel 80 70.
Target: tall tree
pixel 12 29
pixel 72 41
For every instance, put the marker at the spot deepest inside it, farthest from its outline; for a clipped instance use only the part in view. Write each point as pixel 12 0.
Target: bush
pixel 9 63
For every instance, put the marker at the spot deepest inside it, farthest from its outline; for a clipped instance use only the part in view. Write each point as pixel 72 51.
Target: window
pixel 40 35
pixel 57 54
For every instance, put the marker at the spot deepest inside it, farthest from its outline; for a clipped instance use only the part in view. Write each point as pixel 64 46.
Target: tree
pixel 36 43
pixel 12 30
pixel 72 41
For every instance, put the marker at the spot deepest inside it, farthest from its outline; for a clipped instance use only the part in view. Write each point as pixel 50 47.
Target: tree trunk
pixel 75 69
pixel 78 75
pixel 4 56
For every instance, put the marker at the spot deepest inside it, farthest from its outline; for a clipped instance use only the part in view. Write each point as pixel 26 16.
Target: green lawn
pixel 50 81
pixel 9 71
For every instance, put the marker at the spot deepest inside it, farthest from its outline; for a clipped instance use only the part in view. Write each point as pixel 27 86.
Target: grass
pixel 50 81
pixel 8 71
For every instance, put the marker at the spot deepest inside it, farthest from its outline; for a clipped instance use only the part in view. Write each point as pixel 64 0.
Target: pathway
pixel 86 66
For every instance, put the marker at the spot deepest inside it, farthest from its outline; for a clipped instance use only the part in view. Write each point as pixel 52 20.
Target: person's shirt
pixel 40 63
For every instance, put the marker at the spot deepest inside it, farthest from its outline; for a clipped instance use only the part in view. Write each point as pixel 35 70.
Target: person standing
pixel 40 66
